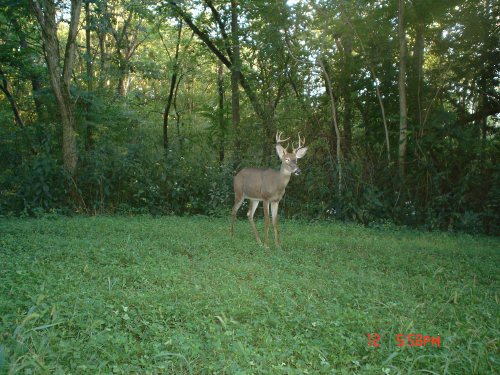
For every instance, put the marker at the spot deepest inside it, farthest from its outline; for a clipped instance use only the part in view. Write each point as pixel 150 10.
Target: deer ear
pixel 280 151
pixel 301 152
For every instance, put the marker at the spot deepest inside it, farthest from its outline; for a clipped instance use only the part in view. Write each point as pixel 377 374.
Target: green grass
pixel 178 295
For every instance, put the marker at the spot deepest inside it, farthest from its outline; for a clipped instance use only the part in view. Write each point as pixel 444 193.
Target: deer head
pixel 289 159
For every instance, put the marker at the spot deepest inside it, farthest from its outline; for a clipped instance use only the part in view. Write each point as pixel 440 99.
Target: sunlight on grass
pixel 178 295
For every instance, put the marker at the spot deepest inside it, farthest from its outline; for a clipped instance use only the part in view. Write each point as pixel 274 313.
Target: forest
pixel 151 107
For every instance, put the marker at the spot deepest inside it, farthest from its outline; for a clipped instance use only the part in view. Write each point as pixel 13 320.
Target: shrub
pixel 38 185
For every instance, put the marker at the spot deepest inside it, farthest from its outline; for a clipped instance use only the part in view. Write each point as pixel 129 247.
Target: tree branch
pixel 206 39
pixel 4 86
pixel 482 113
pixel 202 35
pixel 222 28
pixel 69 54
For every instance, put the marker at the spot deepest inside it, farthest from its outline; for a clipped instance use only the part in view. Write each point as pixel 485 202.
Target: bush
pixel 38 185
pixel 197 185
pixel 124 179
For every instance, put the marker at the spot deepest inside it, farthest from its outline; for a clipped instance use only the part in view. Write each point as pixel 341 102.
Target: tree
pixel 429 98
pixel 173 85
pixel 127 22
pixel 89 75
pixel 18 22
pixel 375 80
pixel 227 52
pixel 403 116
pixel 333 107
pixel 45 13
pixel 235 75
pixel 5 88
pixel 220 111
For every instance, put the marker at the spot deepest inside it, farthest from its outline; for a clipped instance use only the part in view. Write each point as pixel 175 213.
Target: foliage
pixel 121 82
pixel 195 185
pixel 177 295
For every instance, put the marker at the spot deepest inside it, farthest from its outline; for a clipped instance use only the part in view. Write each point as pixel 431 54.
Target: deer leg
pixel 251 211
pixel 237 204
pixel 266 217
pixel 274 210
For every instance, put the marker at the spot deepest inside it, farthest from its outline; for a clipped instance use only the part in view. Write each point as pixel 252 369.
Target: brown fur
pixel 266 185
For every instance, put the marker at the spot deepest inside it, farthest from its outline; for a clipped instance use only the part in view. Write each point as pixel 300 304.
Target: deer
pixel 268 186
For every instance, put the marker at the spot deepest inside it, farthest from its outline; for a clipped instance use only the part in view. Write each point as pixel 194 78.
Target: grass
pixel 178 295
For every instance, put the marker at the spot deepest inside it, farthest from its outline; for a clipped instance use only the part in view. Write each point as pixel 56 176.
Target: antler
pixel 302 142
pixel 278 138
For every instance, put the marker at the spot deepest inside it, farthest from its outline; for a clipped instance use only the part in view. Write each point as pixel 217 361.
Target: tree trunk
pixel 101 34
pixel 222 123
pixel 70 153
pixel 403 117
pixel 173 83
pixel 235 77
pixel 5 88
pixel 36 86
pixel 268 144
pixel 123 68
pixel 89 142
pixel 418 56
pixel 45 12
pixel 329 89
pixel 178 117
pixel 347 94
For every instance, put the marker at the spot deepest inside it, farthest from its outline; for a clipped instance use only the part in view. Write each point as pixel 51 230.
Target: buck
pixel 268 186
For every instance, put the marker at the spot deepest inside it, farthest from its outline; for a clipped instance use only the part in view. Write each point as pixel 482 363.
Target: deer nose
pixel 297 171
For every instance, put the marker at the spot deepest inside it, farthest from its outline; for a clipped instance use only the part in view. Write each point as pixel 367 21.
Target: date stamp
pixel 412 339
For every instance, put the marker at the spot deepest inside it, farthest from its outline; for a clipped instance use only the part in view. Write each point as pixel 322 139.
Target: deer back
pixel 261 184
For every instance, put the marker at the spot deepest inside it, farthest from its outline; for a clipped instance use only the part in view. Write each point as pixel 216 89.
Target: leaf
pixel 390 358
pixel 45 326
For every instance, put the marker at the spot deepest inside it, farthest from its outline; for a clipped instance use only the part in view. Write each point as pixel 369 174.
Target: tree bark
pixel 329 89
pixel 173 83
pixel 403 117
pixel 235 78
pixel 101 30
pixel 178 117
pixel 89 142
pixel 347 94
pixel 222 123
pixel 5 88
pixel 102 61
pixel 418 56
pixel 45 12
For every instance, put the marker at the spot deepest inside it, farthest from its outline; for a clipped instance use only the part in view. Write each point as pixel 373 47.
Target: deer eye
pixel 287 160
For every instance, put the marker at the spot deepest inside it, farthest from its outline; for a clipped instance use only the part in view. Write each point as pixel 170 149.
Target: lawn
pixel 178 295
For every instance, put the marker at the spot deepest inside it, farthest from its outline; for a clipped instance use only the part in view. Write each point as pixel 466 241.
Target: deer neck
pixel 285 175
